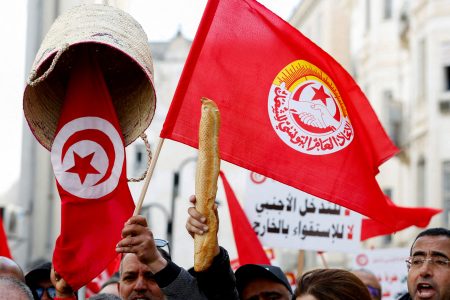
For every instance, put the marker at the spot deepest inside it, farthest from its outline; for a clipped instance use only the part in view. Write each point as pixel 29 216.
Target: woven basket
pixel 124 57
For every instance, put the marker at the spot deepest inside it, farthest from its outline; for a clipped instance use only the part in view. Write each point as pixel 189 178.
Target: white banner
pixel 286 217
pixel 389 267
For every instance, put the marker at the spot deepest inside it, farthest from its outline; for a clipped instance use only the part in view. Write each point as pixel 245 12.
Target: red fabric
pixel 93 287
pixel 407 216
pixel 237 55
pixel 4 248
pixel 249 248
pixel 88 159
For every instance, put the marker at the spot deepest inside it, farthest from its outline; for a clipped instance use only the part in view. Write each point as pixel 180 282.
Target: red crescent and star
pixel 82 166
pixel 320 95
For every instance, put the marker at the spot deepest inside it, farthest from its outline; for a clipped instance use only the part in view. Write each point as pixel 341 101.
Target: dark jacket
pixel 216 283
pixel 405 297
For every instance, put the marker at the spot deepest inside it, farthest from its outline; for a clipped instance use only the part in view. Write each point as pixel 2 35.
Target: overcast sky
pixel 160 19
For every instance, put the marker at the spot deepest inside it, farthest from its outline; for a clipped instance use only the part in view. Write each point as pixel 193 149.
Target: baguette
pixel 208 167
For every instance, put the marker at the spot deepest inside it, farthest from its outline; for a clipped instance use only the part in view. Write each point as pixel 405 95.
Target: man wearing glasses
pixel 38 279
pixel 428 266
pixel 146 272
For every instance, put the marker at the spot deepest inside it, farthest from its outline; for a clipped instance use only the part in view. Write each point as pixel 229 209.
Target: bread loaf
pixel 208 166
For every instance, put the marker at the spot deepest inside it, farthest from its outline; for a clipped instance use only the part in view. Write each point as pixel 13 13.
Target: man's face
pixel 430 281
pixel 44 289
pixel 136 281
pixel 265 289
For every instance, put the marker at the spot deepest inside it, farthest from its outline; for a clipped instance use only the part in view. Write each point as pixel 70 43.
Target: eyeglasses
pixel 160 243
pixel 376 293
pixel 51 292
pixel 416 262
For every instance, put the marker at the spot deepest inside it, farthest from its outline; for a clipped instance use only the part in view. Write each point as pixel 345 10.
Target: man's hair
pixel 438 231
pixel 15 286
pixel 329 284
pixel 104 296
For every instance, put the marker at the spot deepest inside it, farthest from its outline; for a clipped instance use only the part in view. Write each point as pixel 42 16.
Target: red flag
pixel 249 248
pixel 407 216
pixel 88 159
pixel 93 287
pixel 289 110
pixel 4 248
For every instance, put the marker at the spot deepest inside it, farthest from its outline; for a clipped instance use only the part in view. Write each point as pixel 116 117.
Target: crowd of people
pixel 147 272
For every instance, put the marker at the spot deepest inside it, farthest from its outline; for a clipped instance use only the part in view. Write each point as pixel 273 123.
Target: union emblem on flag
pixel 307 112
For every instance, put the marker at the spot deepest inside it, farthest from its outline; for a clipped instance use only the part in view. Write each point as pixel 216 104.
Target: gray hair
pixel 10 287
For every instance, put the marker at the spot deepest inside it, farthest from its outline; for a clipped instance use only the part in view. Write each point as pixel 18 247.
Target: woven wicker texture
pixel 121 47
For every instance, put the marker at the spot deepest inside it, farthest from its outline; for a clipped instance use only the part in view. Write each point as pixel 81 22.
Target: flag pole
pixel 300 263
pixel 324 262
pixel 148 177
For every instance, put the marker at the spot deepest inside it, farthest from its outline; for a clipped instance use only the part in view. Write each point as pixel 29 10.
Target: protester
pixel 38 280
pixel 217 282
pixel 331 284
pixel 370 281
pixel 63 290
pixel 10 268
pixel 428 266
pixel 13 289
pixel 262 282
pixel 144 272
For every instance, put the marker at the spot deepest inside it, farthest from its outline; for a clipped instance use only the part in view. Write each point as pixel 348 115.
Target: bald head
pixel 10 268
pixel 13 289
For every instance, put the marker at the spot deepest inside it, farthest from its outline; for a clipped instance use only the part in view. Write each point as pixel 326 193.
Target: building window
pixel 394 124
pixel 447 78
pixel 140 160
pixel 422 70
pixel 446 191
pixel 387 9
pixel 387 239
pixel 421 183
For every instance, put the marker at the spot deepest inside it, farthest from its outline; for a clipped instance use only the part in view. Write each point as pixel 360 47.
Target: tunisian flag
pixel 248 246
pixel 88 159
pixel 406 217
pixel 289 110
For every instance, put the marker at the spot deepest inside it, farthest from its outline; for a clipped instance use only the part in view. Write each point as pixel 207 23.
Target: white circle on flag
pixel 100 183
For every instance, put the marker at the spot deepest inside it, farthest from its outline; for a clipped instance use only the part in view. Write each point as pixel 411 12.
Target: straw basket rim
pixel 126 64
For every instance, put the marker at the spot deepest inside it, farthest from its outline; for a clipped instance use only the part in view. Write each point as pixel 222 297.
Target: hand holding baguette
pixel 208 167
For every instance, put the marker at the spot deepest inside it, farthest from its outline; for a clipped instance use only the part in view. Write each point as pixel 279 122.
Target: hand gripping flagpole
pixel 148 177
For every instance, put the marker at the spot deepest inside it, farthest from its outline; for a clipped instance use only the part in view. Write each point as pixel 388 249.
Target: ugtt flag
pixel 289 110
pixel 88 159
